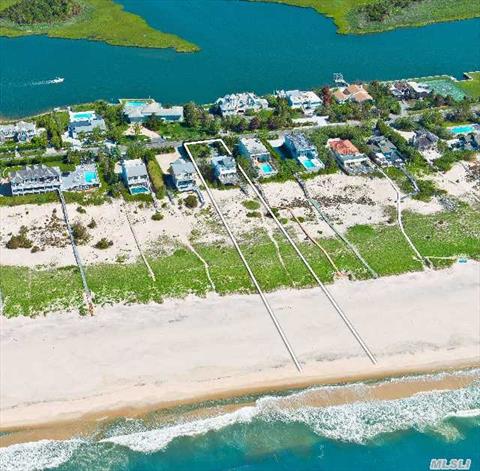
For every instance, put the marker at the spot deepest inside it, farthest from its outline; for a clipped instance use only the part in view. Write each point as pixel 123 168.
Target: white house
pixel 307 101
pixel 135 176
pixel 240 103
pixel 20 132
pixel 84 122
pixel 304 151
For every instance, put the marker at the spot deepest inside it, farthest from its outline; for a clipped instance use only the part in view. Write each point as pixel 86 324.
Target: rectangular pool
pixel 307 163
pixel 83 115
pixel 136 103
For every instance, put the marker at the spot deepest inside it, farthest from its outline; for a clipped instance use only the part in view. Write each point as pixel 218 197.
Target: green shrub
pixel 253 214
pixel 80 233
pixel 92 224
pixel 191 201
pixel 19 241
pixel 157 216
pixel 156 177
pixel 103 244
pixel 81 210
pixel 251 205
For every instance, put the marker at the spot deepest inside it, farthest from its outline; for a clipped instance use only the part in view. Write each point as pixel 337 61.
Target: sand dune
pixel 63 366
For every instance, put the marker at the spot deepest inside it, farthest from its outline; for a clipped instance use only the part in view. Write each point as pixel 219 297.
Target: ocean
pixel 245 46
pixel 287 431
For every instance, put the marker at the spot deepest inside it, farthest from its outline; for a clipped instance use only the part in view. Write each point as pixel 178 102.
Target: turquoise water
pixel 83 115
pixel 245 46
pixel 308 163
pixel 136 103
pixel 266 168
pixel 463 129
pixel 90 176
pixel 138 190
pixel 277 432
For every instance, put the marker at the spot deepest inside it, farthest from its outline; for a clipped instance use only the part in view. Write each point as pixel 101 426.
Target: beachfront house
pixel 240 103
pixel 303 151
pixel 348 157
pixel 183 175
pixel 135 176
pixel 354 93
pixel 259 156
pixel 84 177
pixel 19 132
pixel 138 111
pixel 385 153
pixel 84 122
pixel 307 101
pixel 225 169
pixel 423 140
pixel 35 179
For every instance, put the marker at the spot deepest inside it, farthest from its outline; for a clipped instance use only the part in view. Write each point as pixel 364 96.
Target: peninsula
pixel 372 16
pixel 96 20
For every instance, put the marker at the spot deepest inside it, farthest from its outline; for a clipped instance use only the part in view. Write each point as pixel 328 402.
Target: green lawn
pixel 446 234
pixel 471 87
pixel 102 20
pixel 345 15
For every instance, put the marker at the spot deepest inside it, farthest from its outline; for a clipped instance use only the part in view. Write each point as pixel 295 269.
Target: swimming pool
pixel 307 163
pixel 465 129
pixel 90 176
pixel 136 103
pixel 138 190
pixel 83 115
pixel 266 168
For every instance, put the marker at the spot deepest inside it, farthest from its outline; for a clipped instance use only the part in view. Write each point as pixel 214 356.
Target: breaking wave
pixel 358 422
pixel 33 456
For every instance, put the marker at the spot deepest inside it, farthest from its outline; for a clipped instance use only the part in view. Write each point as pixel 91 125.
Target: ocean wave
pixel 35 456
pixel 156 440
pixel 357 422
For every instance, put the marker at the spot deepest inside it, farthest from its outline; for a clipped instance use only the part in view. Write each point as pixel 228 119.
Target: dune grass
pixel 446 234
pixel 345 13
pixel 101 20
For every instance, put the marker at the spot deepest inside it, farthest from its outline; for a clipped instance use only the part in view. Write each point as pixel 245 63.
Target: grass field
pixel 471 87
pixel 345 13
pixel 102 20
pixel 446 234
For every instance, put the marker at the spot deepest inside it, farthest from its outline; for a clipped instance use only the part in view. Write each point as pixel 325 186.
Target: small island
pixel 373 16
pixel 96 20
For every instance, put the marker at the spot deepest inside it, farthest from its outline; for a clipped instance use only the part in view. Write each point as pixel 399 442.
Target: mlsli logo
pixel 454 463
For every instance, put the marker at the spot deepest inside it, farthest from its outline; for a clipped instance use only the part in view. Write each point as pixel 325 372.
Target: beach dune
pixel 130 358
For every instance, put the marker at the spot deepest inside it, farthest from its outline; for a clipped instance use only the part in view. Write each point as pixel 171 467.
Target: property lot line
pixel 327 293
pixel 242 257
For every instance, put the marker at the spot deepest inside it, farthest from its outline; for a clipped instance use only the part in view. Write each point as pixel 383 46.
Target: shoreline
pixel 146 357
pixel 380 385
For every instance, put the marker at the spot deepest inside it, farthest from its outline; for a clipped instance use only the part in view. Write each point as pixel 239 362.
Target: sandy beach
pixel 362 201
pixel 63 367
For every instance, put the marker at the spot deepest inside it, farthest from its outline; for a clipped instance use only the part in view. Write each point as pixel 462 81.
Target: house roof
pixel 343 147
pixel 254 145
pixel 181 166
pixel 34 172
pixel 134 168
pixel 299 141
pixel 224 161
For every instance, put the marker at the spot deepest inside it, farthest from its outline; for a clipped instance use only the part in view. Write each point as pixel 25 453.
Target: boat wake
pixel 54 81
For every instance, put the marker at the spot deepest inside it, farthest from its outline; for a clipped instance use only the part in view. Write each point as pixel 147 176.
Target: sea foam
pixel 33 456
pixel 357 422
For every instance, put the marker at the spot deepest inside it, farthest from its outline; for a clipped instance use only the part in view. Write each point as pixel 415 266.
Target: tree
pixel 191 115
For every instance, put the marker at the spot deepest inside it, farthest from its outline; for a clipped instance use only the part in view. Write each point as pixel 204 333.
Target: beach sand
pixel 127 359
